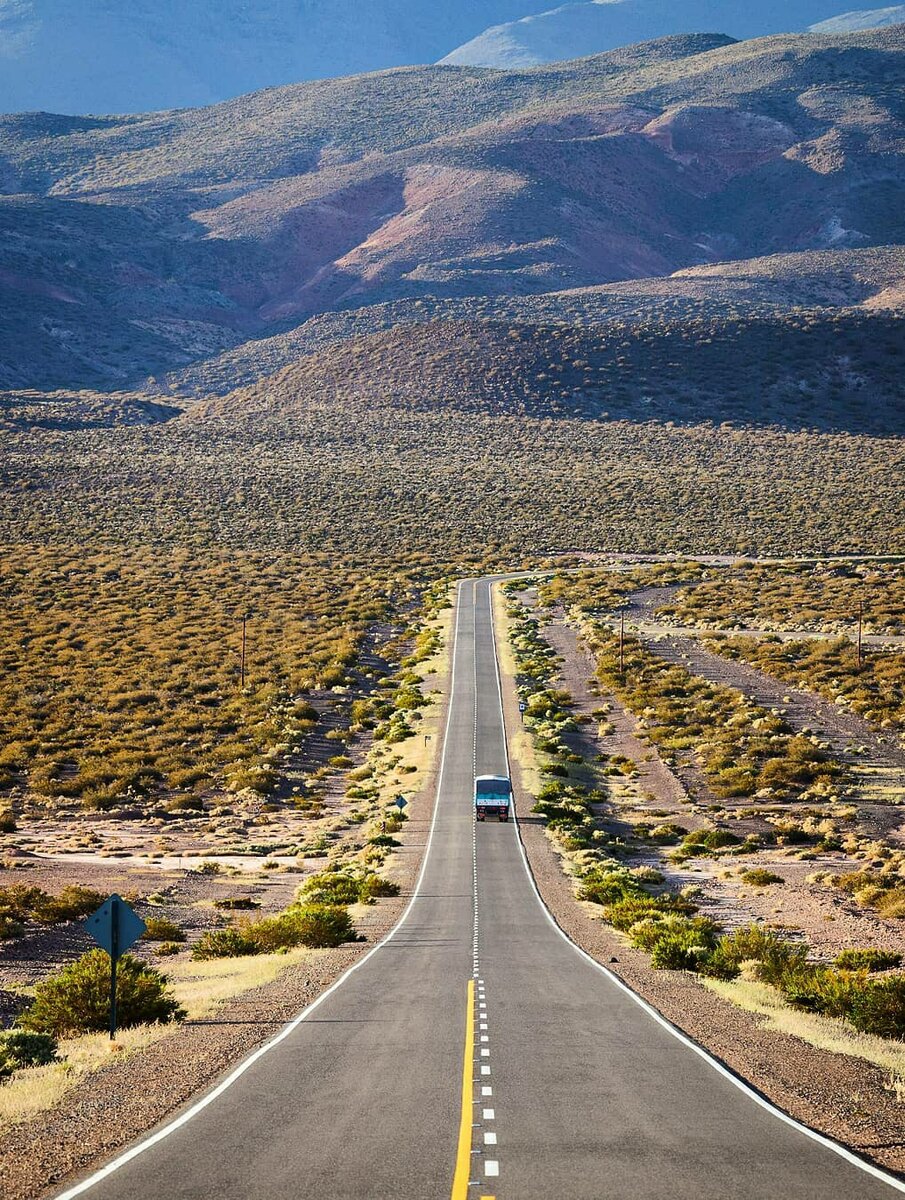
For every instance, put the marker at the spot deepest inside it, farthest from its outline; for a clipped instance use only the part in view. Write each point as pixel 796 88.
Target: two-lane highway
pixel 478 1053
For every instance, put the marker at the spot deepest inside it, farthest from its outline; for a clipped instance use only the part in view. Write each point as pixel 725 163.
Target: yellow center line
pixel 463 1157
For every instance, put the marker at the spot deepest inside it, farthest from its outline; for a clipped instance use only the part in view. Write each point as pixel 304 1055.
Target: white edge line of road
pixel 183 1119
pixel 828 1143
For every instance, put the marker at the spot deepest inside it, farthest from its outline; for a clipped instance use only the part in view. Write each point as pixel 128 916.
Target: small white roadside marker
pixel 491 1167
pixel 490 1139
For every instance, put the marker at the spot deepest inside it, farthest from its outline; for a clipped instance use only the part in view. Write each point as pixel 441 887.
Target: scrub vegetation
pixel 874 688
pixel 860 988
pixel 121 668
pixel 786 595
pixel 743 750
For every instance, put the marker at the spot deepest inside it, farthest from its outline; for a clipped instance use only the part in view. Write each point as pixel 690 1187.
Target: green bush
pixel 77 998
pixel 21 1048
pixel 280 932
pixel 162 929
pixel 10 927
pixel 313 925
pixel 324 925
pixel 72 903
pixel 684 944
pixel 608 885
pixel 868 960
pixel 337 887
pixel 878 1007
pixel 223 943
pixel 331 887
pixel 374 887
pixel 758 877
pixel 623 914
pixel 775 957
pixel 19 901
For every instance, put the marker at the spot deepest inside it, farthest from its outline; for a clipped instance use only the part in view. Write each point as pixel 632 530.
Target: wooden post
pixel 860 632
pixel 622 643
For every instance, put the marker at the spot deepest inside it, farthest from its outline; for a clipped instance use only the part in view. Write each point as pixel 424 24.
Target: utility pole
pixel 244 644
pixel 860 632
pixel 622 643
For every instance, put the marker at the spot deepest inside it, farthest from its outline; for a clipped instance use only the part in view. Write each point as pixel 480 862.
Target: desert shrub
pixel 25 1048
pixel 684 944
pixel 236 902
pixel 339 887
pixel 72 902
pixel 331 887
pixel 758 877
pixel 208 867
pixel 607 885
pixel 878 1007
pixel 667 835
pixel 223 943
pixel 710 839
pixel 867 960
pixel 718 964
pixel 821 989
pixel 19 901
pixel 775 956
pixel 10 927
pixel 77 998
pixel 323 925
pixel 162 929
pixel 7 822
pixel 625 913
pixel 374 887
pixel 280 932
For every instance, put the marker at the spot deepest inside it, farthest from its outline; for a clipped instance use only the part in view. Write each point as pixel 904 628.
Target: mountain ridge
pixel 135 247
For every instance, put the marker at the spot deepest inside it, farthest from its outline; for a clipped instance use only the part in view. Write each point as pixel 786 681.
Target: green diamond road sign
pixel 115 926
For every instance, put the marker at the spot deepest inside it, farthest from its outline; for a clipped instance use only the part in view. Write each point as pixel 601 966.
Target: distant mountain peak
pixel 851 22
pixel 585 27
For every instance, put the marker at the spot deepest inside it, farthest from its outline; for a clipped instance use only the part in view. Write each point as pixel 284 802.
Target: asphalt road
pixel 552 1082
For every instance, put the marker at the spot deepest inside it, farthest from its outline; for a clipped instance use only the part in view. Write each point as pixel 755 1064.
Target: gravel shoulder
pixel 843 1097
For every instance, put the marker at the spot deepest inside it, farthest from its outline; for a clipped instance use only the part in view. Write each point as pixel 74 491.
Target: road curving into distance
pixel 478 1053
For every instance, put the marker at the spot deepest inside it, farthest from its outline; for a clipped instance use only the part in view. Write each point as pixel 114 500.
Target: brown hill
pixel 871 279
pixel 136 246
pixel 811 371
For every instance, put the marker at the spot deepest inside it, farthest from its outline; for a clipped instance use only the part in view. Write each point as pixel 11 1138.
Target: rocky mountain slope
pixel 139 246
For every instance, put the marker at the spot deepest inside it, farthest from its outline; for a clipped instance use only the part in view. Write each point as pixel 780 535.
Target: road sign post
pixel 401 802
pixel 115 927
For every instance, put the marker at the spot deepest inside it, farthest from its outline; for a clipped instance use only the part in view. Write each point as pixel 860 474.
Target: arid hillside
pixel 137 246
pixel 807 371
